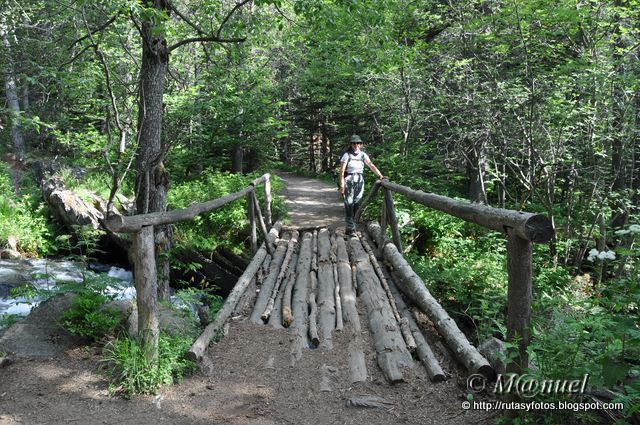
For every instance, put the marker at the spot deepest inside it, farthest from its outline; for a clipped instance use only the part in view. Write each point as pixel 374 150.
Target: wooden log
pixel 251 212
pixel 391 351
pixel 267 200
pixel 393 220
pixel 275 319
pixel 411 285
pixel 532 227
pixel 145 281
pixel 313 310
pixel 338 301
pixel 347 291
pixel 326 294
pixel 519 260
pixel 314 251
pixel 130 224
pixel 299 300
pixel 383 226
pixel 281 274
pixel 200 345
pixel 248 298
pixel 370 197
pixel 351 319
pixel 269 283
pixel 423 349
pixel 263 226
pixel 403 322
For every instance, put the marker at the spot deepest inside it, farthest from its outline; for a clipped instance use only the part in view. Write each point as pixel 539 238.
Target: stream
pixel 43 276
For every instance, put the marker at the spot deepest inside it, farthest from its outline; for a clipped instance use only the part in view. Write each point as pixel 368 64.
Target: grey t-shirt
pixel 356 164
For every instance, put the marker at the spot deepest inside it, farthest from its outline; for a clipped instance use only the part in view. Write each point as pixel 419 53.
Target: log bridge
pixel 309 281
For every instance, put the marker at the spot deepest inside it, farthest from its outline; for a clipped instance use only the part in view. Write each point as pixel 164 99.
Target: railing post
pixel 519 266
pixel 393 221
pixel 267 200
pixel 263 227
pixel 383 226
pixel 146 291
pixel 251 211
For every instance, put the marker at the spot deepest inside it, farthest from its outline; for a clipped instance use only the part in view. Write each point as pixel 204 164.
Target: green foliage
pixel 88 318
pixel 22 217
pixel 226 226
pixel 195 296
pixel 132 374
pixel 7 320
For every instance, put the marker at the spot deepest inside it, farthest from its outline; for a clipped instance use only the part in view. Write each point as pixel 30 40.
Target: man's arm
pixel 373 168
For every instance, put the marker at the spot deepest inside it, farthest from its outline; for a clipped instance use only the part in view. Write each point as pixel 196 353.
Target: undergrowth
pixel 131 373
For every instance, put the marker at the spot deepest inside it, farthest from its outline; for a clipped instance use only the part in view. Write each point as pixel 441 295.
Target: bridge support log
pixel 269 283
pixel 299 300
pixel 198 348
pixel 404 324
pixel 423 349
pixel 351 319
pixel 275 319
pixel 392 354
pixel 326 291
pixel 291 247
pixel 411 284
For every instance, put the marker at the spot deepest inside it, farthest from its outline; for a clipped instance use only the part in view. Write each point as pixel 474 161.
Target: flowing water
pixel 43 277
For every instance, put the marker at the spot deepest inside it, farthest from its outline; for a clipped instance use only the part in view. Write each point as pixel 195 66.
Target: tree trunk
pixel 146 296
pixel 477 169
pixel 11 92
pixel 152 181
pixel 237 157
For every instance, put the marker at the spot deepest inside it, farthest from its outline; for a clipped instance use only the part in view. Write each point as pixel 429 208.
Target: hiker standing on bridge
pixel 352 181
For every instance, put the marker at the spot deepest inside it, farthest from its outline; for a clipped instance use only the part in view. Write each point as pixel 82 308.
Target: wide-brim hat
pixel 355 139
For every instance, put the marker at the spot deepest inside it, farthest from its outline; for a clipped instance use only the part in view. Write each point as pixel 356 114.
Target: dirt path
pixel 250 379
pixel 312 202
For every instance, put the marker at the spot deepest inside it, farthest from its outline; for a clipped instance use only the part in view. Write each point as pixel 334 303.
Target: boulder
pixel 172 320
pixel 494 350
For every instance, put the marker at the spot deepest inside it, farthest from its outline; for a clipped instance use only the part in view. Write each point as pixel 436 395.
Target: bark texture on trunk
pixel 152 180
pixel 11 92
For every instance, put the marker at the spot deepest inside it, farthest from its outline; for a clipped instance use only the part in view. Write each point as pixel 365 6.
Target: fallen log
pixel 423 349
pixel 326 291
pixel 299 300
pixel 404 324
pixel 247 300
pixel 392 354
pixel 411 284
pixel 281 274
pixel 351 319
pixel 200 345
pixel 269 282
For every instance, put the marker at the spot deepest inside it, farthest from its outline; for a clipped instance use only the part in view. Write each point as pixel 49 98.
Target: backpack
pixel 336 168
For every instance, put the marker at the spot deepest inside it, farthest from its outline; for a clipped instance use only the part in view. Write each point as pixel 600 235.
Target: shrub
pixel 87 318
pixel 130 372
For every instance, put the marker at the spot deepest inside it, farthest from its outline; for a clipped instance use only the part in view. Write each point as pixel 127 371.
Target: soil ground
pixel 250 378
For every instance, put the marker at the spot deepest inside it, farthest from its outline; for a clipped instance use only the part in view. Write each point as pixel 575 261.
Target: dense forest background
pixel 528 105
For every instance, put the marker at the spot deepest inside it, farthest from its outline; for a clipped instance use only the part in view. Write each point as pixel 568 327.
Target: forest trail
pixel 311 202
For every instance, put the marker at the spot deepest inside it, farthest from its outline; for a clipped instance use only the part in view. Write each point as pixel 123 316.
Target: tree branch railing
pixel 522 230
pixel 141 228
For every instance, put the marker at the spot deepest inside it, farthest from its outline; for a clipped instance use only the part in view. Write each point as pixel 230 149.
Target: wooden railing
pixel 522 230
pixel 143 248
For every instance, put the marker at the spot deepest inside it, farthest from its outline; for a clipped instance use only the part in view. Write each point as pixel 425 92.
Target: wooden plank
pixel 532 227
